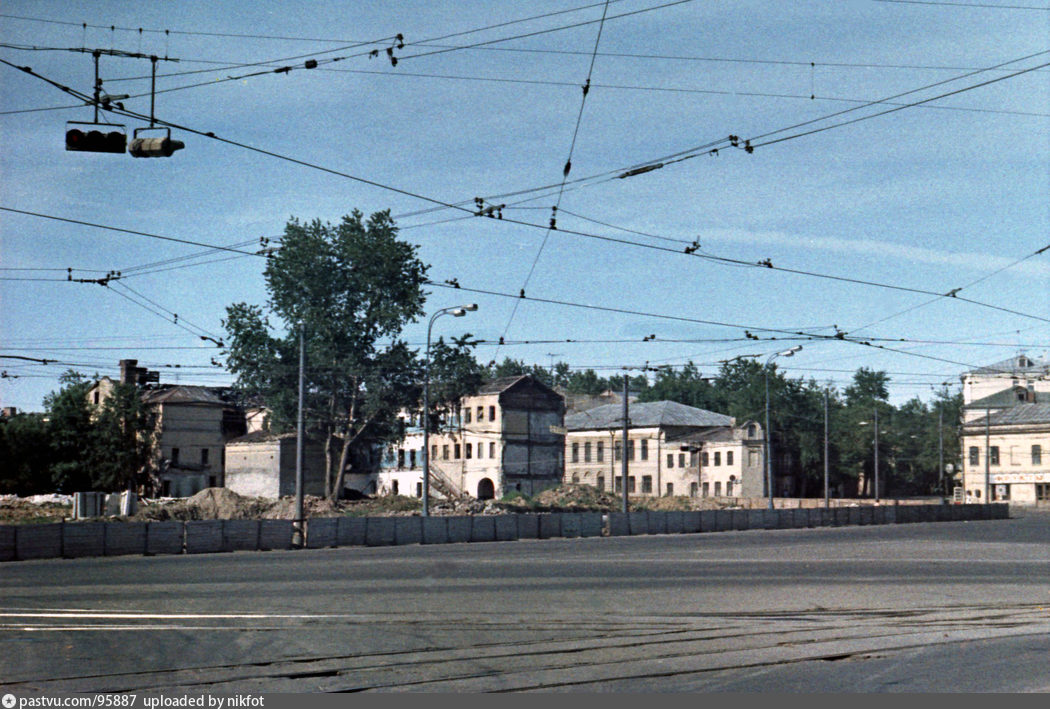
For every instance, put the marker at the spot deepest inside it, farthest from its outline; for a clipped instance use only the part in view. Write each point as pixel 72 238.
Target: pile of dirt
pixel 284 508
pixel 39 509
pixel 576 498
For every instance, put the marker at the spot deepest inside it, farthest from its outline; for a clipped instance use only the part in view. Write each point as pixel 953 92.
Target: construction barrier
pixel 90 539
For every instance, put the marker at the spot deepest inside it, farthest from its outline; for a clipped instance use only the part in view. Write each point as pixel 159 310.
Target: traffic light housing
pixel 95 137
pixel 154 147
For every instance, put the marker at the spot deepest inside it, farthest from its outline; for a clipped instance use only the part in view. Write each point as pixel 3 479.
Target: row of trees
pixel 912 437
pixel 74 445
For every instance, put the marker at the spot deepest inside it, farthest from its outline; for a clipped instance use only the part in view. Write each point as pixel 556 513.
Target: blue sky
pixel 879 213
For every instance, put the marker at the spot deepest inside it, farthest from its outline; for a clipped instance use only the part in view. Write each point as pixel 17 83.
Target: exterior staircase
pixel 442 484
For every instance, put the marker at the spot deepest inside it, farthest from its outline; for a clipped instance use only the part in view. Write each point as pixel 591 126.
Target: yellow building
pixel 1006 455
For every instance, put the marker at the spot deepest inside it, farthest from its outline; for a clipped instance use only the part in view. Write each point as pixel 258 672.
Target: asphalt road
pixel 948 606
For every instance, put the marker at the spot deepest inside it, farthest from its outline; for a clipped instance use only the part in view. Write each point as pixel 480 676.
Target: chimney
pixel 129 371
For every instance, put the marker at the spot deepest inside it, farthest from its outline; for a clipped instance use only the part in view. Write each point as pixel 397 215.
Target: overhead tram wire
pixel 449 205
pixel 953 292
pixel 565 171
pixel 983 5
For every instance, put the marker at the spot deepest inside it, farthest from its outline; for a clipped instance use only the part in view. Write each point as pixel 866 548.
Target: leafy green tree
pixel 121 442
pixel 454 373
pixel 25 455
pixel 352 287
pixel 71 431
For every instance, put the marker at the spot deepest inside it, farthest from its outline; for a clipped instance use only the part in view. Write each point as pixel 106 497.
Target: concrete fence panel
pixel 7 542
pixel 675 521
pixel 657 522
pixel 638 522
pixel 867 515
pixel 321 532
pixel 483 529
pixel 890 514
pixel 691 522
pixel 459 529
pixel 756 519
pixel 506 528
pixel 619 524
pixel 739 520
pixel 528 526
pixel 570 525
pixel 878 515
pixel 772 518
pixel 83 539
pixel 165 537
pixel 708 520
pixel 723 520
pixel 550 526
pixel 435 530
pixel 408 530
pixel 203 536
pixel 38 541
pixel 379 531
pixel 122 538
pixel 350 531
pixel 275 533
pixel 1001 511
pixel 240 535
pixel 590 524
pixel 854 516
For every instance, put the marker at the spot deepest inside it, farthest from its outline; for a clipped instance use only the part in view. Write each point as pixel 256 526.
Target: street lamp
pixel 456 311
pixel 769 447
pixel 865 423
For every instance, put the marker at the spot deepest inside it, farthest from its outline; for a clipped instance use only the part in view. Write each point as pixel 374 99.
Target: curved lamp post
pixel 769 446
pixel 457 311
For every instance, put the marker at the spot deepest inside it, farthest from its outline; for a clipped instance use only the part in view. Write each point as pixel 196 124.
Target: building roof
pixel 999 400
pixel 1021 414
pixel 655 414
pixel 1019 364
pixel 267 436
pixel 180 394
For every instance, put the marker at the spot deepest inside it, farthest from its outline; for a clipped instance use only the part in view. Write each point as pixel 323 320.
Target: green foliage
pixel 121 440
pixel 71 428
pixel 25 442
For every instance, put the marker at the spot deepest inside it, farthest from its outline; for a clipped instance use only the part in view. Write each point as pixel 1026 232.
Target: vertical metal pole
pixel 987 455
pixel 299 444
pixel 769 447
pixel 940 452
pixel 827 494
pixel 876 454
pixel 623 445
pixel 98 84
pixel 426 422
pixel 152 90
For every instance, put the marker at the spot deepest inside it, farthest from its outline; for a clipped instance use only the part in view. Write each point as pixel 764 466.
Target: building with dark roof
pixel 672 449
pixel 508 437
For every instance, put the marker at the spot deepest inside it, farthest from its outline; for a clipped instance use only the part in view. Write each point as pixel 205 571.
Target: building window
pixel 1037 455
pixel 718 488
pixel 96 397
pixel 481 413
pixel 994 455
pixel 456 451
pixel 466 414
pixel 703 459
pixel 706 489
pixel 729 489
pixel 419 489
pixel 647 484
pixel 575 452
pixel 492 413
pixel 645 449
pixel 681 460
pixel 670 460
pixel 444 452
pixel 630 484
pixel 575 478
pixel 718 457
pixel 752 429
pixel 630 450
pixel 492 450
pixel 692 458
pixel 587 452
pixel 692 489
pixel 174 456
pixel 1042 492
pixel 617 451
pixel 400 457
pixel 975 455
pixel 393 487
pixel 470 450
pixel 204 456
pixel 412 458
pixel 601 483
pixel 670 490
pixel 729 457
pixel 617 483
pixel 599 451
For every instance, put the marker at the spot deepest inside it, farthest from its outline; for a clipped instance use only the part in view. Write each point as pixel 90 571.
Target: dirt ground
pixel 221 503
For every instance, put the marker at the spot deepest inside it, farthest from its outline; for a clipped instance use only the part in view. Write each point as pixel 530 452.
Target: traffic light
pixel 95 137
pixel 154 147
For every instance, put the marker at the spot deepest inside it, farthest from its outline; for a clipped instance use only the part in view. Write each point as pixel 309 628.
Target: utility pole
pixel 300 534
pixel 876 454
pixel 827 494
pixel 987 455
pixel 940 452
pixel 623 447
